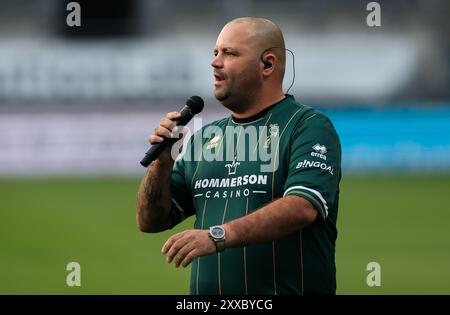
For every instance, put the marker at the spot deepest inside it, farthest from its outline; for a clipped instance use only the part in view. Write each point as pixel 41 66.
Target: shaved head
pixel 248 64
pixel 265 36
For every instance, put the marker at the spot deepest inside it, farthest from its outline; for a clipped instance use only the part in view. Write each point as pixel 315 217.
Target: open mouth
pixel 218 77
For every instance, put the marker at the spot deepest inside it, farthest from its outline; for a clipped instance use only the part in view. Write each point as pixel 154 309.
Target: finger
pixel 175 248
pixel 155 139
pixel 189 258
pixel 167 123
pixel 185 250
pixel 163 132
pixel 168 244
pixel 173 115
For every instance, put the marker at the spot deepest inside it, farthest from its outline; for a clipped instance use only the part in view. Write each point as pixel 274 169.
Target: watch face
pixel 217 232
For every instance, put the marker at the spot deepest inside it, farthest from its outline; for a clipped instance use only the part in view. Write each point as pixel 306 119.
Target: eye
pixel 230 52
pixel 215 53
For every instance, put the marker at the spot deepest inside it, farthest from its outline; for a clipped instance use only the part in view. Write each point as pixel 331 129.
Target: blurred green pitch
pixel 401 222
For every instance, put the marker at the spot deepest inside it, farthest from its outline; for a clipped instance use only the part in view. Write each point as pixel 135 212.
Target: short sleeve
pixel 314 163
pixel 182 205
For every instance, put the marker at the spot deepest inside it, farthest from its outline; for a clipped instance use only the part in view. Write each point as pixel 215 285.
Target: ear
pixel 268 64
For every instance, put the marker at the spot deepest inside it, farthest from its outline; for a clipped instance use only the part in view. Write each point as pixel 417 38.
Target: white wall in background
pixel 334 66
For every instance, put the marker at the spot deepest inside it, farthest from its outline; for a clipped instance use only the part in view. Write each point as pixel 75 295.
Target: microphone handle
pixel 156 149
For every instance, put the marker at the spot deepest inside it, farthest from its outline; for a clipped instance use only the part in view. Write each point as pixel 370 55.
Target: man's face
pixel 236 67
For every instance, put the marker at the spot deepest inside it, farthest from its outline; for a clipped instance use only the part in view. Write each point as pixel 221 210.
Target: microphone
pixel 194 105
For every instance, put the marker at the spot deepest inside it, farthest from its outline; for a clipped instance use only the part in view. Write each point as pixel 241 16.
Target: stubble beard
pixel 239 99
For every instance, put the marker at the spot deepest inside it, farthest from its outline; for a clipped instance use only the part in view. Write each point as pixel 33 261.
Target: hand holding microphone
pixel 163 132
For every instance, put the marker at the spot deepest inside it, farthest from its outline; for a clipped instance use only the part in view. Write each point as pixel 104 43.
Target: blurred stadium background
pixel 77 103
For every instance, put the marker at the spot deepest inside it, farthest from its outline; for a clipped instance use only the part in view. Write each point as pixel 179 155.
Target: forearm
pixel 273 221
pixel 154 197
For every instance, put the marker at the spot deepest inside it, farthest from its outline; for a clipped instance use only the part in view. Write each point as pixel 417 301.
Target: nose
pixel 217 62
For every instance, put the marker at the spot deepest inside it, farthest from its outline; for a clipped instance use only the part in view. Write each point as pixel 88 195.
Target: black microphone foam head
pixel 195 103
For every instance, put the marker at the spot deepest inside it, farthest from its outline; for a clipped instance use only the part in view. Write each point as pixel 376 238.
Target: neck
pixel 259 104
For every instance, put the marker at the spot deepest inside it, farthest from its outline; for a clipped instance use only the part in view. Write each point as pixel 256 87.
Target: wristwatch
pixel 217 234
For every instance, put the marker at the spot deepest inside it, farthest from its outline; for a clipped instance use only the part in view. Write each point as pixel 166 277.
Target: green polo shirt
pixel 233 167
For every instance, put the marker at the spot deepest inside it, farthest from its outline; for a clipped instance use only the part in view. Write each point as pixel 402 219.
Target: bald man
pixel 263 182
